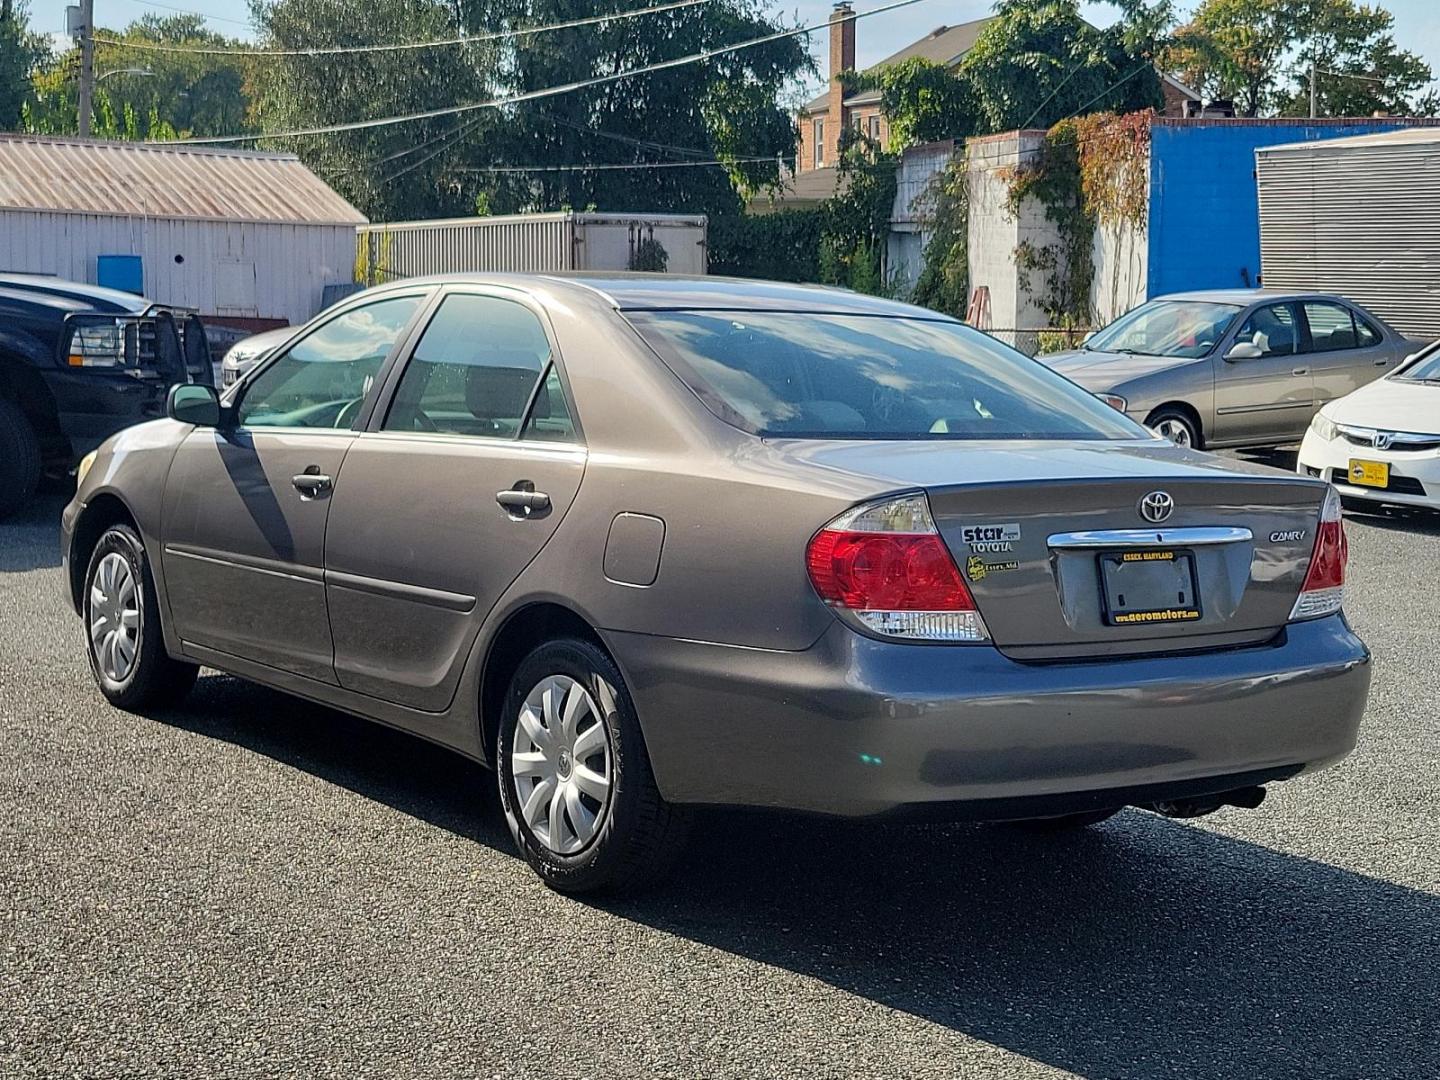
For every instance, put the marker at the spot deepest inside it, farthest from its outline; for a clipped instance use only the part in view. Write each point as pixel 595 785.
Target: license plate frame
pixel 1366 473
pixel 1150 612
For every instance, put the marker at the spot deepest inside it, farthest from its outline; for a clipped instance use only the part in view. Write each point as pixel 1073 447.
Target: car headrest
pixel 500 392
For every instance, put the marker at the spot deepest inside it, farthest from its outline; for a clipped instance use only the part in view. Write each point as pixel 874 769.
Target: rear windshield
pixel 870 377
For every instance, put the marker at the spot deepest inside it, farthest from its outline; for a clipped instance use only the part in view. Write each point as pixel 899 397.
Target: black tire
pixel 1171 415
pixel 19 458
pixel 639 835
pixel 1066 822
pixel 154 680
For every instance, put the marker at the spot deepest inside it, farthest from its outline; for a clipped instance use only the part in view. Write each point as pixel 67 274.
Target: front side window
pixel 473 371
pixel 1178 328
pixel 1332 327
pixel 322 381
pixel 1271 329
pixel 797 374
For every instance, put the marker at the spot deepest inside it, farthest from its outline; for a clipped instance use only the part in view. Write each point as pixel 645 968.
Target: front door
pixel 246 506
pixel 447 498
pixel 1269 396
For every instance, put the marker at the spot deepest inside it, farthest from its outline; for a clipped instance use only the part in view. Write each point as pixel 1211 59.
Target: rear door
pixel 469 464
pixel 1345 349
pixel 246 506
pixel 1270 396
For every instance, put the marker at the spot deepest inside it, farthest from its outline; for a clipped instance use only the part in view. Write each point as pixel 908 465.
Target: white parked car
pixel 1381 444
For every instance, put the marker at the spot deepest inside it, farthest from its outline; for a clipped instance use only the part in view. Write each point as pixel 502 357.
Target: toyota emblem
pixel 1157 506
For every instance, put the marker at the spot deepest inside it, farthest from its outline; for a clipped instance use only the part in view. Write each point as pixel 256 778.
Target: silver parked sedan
pixel 1233 367
pixel 642 543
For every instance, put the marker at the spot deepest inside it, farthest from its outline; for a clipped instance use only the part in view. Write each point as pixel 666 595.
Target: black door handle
pixel 311 484
pixel 523 500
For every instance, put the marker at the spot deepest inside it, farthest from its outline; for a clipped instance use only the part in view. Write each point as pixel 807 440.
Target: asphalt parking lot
pixel 253 886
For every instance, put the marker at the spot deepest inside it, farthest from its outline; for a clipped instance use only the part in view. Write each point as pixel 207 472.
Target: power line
pixel 619 167
pixel 188 11
pixel 1351 75
pixel 338 50
pixel 549 91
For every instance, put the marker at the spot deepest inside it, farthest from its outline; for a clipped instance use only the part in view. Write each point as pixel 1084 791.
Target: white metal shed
pixel 1358 216
pixel 232 233
pixel 553 242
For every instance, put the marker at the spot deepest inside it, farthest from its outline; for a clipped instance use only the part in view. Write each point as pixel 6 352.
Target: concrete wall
pixel 1204 230
pixel 234 269
pixel 994 234
pixel 1120 254
pixel 912 214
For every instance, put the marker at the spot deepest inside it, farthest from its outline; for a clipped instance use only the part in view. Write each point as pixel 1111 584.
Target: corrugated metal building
pixel 529 243
pixel 1360 217
pixel 249 237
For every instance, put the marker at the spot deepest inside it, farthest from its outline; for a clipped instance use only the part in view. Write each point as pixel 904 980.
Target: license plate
pixel 1146 587
pixel 1369 473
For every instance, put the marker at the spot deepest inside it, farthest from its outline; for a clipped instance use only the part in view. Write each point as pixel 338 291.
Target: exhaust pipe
pixel 1248 798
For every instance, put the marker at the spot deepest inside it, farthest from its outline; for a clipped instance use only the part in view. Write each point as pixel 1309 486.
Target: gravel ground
pixel 253 886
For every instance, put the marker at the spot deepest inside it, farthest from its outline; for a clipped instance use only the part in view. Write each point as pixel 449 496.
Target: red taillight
pixel 1324 588
pixel 886 565
pixel 866 571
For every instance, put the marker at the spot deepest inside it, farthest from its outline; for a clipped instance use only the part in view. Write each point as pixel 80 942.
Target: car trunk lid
pixel 1063 562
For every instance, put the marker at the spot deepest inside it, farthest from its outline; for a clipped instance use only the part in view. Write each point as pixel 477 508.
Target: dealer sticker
pixel 991 538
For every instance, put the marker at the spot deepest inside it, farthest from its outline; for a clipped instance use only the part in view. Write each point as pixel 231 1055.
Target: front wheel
pixel 1177 426
pixel 122 628
pixel 575 779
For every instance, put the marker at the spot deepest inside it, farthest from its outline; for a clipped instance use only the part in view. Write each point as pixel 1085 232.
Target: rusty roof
pixel 82 176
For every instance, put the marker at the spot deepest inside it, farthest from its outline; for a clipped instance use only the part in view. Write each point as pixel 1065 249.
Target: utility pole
pixel 87 63
pixel 1312 86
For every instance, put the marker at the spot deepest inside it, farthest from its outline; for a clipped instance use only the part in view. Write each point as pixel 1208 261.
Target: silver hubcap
pixel 560 761
pixel 115 616
pixel 1175 431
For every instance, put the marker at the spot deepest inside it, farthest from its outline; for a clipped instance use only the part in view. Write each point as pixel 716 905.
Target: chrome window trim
pixel 1202 536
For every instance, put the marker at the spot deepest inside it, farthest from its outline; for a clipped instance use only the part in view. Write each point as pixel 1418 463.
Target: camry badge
pixel 1157 506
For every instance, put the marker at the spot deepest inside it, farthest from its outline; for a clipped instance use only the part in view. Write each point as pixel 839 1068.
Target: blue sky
pixel 1417 25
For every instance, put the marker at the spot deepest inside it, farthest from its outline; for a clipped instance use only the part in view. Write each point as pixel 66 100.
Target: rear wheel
pixel 1177 426
pixel 1066 822
pixel 122 628
pixel 19 458
pixel 575 779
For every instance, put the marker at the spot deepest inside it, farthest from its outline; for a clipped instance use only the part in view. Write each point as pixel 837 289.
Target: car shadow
pixel 1397 519
pixel 30 537
pixel 1142 948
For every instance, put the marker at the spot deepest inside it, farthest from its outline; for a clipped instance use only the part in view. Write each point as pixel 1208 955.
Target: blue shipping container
pixel 1204 225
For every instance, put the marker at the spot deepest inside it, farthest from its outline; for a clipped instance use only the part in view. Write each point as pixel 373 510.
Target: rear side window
pixel 473 370
pixel 1332 327
pixel 801 374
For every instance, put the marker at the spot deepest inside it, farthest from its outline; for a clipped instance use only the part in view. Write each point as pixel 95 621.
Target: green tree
pixel 727 108
pixel 1259 53
pixel 856 219
pixel 146 94
pixel 22 54
pixel 1035 64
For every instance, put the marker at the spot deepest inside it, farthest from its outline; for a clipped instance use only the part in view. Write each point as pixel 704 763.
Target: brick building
pixel 823 119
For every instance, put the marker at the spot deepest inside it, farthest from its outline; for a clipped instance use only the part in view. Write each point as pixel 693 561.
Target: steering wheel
pixel 346 416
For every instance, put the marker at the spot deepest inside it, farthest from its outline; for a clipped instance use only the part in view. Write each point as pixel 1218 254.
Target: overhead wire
pixel 549 91
pixel 339 50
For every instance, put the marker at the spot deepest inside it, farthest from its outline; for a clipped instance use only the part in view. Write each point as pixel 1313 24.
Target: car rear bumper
pixel 854 726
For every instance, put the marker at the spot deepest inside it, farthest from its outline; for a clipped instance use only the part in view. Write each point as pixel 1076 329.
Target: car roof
pixel 1248 296
pixel 95 296
pixel 664 292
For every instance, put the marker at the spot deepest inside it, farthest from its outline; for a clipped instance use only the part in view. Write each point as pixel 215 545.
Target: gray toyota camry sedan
pixel 643 543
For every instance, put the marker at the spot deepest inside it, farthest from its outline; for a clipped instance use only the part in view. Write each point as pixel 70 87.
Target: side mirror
pixel 193 403
pixel 1244 350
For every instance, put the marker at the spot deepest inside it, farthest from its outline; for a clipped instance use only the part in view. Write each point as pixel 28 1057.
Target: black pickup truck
pixel 77 364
